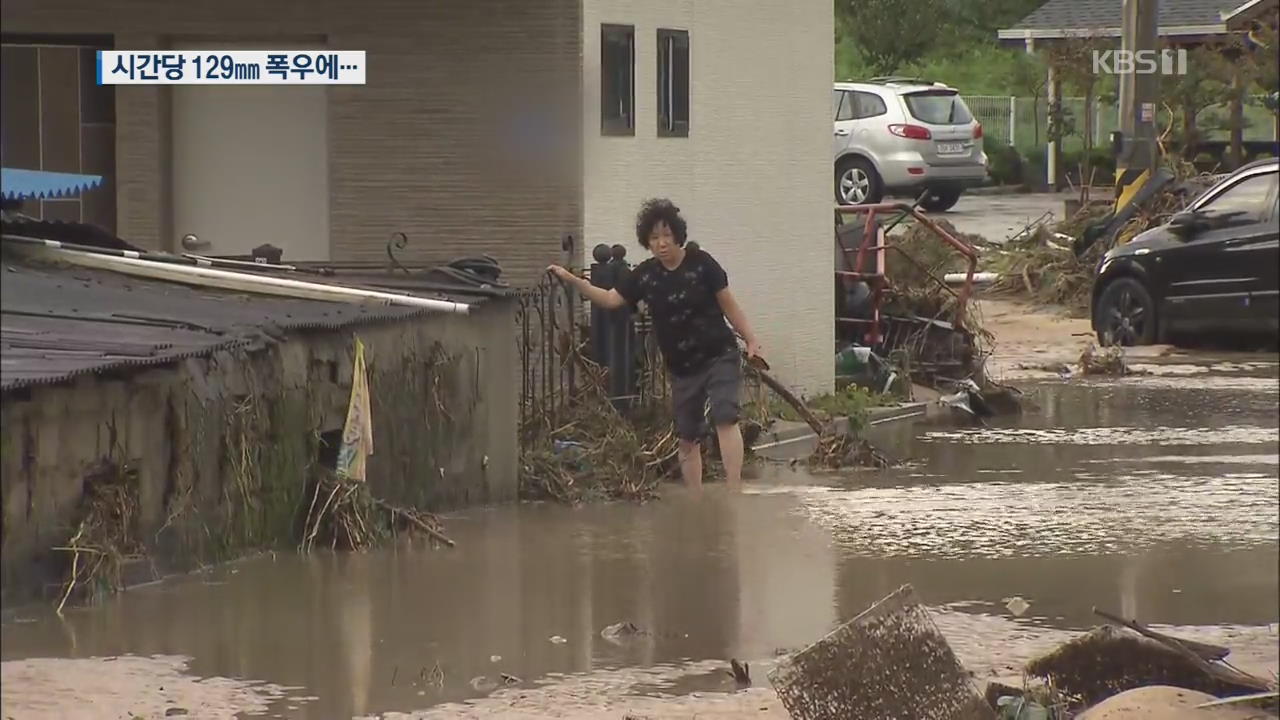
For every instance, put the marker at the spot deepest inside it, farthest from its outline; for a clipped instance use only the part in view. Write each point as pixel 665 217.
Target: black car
pixel 1211 269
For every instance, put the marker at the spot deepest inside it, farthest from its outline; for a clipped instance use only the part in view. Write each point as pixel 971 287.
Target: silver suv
pixel 902 136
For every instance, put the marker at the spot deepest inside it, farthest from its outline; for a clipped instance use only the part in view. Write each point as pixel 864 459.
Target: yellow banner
pixel 357 436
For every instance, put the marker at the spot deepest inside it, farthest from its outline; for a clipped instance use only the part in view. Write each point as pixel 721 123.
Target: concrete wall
pixel 753 178
pixel 464 137
pixel 201 433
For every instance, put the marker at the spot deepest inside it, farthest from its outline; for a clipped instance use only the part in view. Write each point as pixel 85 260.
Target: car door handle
pixel 842 133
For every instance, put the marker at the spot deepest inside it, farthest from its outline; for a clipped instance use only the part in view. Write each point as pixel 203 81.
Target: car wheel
pixel 941 200
pixel 1126 314
pixel 857 183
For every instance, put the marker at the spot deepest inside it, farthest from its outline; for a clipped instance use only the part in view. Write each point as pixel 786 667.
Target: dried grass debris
pixel 107 534
pixel 586 449
pixel 1110 660
pixel 344 515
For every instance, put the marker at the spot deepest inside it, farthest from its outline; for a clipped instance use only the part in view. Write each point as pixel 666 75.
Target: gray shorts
pixel 721 383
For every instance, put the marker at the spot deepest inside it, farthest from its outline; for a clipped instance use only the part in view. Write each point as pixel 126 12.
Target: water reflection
pixel 1161 531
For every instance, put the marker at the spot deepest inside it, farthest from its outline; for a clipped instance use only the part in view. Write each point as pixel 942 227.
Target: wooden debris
pixel 836 448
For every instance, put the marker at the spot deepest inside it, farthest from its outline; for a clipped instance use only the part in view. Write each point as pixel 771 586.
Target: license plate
pixel 950 148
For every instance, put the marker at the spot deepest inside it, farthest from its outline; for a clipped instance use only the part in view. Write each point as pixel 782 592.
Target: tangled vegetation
pixel 586 449
pixel 106 535
pixel 344 514
pixel 1041 266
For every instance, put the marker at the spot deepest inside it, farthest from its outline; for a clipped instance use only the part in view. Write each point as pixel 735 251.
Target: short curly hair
pixel 659 210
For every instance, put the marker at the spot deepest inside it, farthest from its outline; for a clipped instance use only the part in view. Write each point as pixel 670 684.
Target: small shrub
pixel 1005 162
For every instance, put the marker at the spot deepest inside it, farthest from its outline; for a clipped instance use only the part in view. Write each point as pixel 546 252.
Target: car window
pixel 938 107
pixel 1252 196
pixel 844 107
pixel 836 97
pixel 868 105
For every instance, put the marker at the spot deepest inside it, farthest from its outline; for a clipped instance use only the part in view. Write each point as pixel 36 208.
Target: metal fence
pixel 566 351
pixel 1023 122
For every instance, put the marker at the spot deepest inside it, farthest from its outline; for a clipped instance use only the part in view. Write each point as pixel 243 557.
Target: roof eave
pixel 1244 15
pixel 1023 34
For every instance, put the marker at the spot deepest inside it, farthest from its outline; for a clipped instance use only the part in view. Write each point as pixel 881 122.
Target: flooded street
pixel 1154 497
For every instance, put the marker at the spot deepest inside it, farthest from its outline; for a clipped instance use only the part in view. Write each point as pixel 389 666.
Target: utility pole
pixel 1135 145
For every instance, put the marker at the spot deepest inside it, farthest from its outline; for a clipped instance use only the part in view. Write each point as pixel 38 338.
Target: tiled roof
pixel 1067 15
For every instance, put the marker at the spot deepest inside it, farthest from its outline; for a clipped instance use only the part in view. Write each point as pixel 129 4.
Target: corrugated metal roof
pixel 1099 14
pixel 16 183
pixel 60 322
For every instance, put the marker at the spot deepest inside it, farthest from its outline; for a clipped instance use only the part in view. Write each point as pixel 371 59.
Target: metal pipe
pixel 244 282
pixel 964 248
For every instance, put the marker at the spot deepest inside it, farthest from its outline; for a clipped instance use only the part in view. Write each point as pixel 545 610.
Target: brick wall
pixel 464 138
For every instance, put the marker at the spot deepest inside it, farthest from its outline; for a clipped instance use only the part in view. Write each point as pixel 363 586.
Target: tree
pixel 1220 73
pixel 1206 83
pixel 1072 60
pixel 1029 78
pixel 889 34
pixel 974 21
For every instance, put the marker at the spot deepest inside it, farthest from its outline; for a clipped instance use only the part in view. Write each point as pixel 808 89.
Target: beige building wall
pixel 752 178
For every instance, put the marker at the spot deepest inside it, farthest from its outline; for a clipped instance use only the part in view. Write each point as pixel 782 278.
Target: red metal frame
pixel 874 241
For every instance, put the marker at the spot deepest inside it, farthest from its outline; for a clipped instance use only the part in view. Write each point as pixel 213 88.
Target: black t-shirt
pixel 690 325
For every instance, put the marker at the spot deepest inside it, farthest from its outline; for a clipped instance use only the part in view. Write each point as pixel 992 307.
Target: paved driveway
pixel 998 217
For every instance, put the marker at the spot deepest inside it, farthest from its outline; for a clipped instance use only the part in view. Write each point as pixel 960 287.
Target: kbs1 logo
pixel 1141 62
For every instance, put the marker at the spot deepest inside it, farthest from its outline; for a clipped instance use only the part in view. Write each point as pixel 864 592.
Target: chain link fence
pixel 1023 122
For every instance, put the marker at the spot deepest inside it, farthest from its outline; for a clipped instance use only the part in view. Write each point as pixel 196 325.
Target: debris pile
pixel 1103 361
pixel 917 264
pixel 919 259
pixel 595 453
pixel 591 451
pixel 344 515
pixel 1041 265
pixel 1124 655
pixel 1109 660
pixel 837 450
pixel 1055 264
pixel 836 447
pixel 107 534
pixel 891 661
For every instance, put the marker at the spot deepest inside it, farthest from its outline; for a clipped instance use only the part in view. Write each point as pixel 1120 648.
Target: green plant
pixel 1101 163
pixel 1004 160
pixel 851 401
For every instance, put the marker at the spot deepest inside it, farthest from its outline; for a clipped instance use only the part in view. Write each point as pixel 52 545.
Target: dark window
pixel 57 118
pixel 617 79
pixel 939 108
pixel 1250 196
pixel 844 105
pixel 673 83
pixel 854 105
pixel 868 105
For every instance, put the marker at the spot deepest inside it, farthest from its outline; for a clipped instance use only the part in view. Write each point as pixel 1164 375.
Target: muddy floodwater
pixel 1155 497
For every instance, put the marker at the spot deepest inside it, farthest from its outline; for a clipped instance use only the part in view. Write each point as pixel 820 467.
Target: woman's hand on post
pixel 561 273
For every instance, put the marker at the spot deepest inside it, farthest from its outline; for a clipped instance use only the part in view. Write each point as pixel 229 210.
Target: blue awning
pixel 20 184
